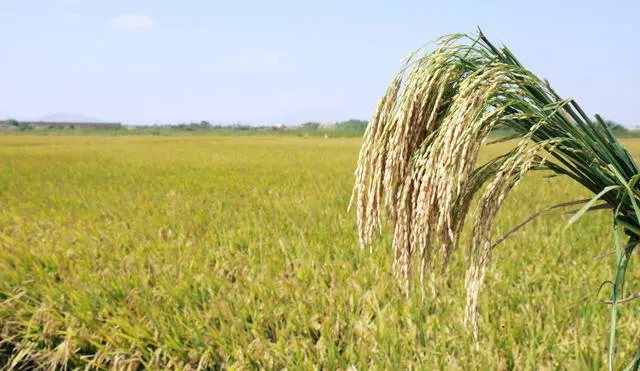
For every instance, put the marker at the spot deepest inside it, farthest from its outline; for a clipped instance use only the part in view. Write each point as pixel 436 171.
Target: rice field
pixel 238 252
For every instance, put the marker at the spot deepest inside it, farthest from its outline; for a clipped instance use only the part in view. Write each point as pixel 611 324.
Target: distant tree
pixel 205 124
pixel 12 122
pixel 193 126
pixel 352 125
pixel 184 126
pixel 239 126
pixel 23 126
pixel 311 126
pixel 614 126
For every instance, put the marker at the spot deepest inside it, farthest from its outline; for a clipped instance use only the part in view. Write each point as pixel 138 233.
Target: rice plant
pixel 236 252
pixel 418 165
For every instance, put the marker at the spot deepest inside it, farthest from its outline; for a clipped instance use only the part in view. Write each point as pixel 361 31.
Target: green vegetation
pixel 350 128
pixel 174 253
pixel 312 126
pixel 16 125
pixel 615 127
pixel 352 125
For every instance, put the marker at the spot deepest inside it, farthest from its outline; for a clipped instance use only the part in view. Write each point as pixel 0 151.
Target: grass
pixel 167 252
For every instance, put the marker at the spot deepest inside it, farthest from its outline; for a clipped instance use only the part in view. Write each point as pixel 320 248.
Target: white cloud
pixel 132 21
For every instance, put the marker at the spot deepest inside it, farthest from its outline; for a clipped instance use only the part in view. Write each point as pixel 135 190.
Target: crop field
pixel 238 252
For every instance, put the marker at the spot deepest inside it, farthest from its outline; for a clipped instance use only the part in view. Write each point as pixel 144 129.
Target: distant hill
pixel 68 117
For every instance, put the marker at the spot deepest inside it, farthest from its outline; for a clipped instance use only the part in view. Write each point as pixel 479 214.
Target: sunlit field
pixel 239 252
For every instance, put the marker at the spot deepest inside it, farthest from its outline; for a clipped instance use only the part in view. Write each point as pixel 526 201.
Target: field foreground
pixel 207 252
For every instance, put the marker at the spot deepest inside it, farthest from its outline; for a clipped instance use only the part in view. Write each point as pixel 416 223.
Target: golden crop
pixel 187 253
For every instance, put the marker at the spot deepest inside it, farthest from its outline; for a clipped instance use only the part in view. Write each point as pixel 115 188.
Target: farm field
pixel 202 252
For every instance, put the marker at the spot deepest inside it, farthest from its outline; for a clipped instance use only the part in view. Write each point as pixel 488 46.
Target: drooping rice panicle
pixel 419 159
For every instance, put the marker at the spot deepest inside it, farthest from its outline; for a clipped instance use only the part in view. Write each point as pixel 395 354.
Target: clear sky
pixel 284 62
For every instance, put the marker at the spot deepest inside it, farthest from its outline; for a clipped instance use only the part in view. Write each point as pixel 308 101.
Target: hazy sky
pixel 282 62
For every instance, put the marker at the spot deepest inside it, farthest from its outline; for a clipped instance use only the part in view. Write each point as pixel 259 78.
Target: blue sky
pixel 284 62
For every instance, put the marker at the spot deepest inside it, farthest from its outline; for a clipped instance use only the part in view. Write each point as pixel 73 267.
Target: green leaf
pixel 589 204
pixel 632 195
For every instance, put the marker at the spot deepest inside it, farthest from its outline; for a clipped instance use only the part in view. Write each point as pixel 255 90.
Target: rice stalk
pixel 419 159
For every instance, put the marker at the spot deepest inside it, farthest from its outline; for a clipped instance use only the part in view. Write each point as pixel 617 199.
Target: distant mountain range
pixel 68 117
